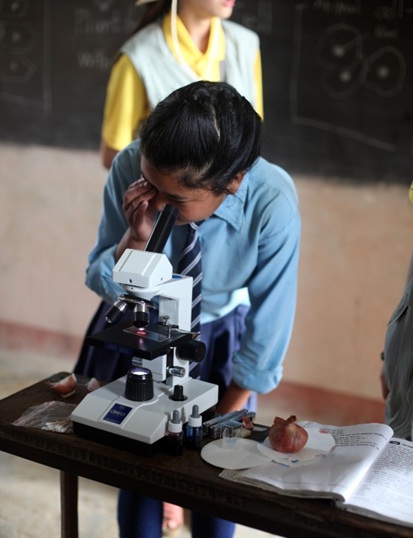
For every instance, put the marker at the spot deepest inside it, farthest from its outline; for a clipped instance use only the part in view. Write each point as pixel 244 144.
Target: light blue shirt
pixel 250 251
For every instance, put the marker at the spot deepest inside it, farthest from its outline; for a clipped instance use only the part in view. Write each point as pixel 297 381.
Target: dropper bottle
pixel 193 432
pixel 175 435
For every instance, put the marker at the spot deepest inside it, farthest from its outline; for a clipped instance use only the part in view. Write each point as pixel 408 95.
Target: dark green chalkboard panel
pixel 338 78
pixel 338 85
pixel 55 57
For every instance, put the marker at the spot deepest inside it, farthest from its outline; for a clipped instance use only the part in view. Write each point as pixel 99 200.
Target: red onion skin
pixel 65 387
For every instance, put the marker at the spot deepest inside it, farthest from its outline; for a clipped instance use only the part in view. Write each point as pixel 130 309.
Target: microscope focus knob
pixel 193 351
pixel 139 385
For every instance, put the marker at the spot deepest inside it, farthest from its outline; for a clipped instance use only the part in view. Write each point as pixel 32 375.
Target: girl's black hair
pixel 203 134
pixel 153 12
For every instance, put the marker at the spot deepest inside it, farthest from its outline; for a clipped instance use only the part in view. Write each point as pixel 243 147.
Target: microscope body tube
pixel 162 229
pixel 156 243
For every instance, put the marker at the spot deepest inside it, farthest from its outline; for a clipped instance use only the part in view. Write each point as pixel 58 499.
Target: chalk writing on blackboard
pixel 349 76
pixel 97 23
pixel 345 67
pixel 337 74
pixel 21 65
pixel 26 48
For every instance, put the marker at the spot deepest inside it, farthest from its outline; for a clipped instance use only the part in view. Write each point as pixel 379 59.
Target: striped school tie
pixel 190 264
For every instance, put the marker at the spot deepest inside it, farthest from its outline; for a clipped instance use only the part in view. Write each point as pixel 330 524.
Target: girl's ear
pixel 235 182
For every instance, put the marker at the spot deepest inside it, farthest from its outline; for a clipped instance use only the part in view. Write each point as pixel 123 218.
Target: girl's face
pixel 193 204
pixel 209 8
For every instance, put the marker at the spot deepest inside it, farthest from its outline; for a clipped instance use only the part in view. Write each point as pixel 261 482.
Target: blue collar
pixel 232 208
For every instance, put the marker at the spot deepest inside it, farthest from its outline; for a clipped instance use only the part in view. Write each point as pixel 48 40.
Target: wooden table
pixel 185 480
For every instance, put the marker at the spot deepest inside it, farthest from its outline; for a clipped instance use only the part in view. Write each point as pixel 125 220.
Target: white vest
pixel 161 73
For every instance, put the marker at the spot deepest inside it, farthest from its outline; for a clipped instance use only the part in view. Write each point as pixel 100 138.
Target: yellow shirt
pixel 127 104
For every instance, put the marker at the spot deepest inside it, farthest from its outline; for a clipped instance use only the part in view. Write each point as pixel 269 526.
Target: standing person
pixel 397 371
pixel 177 43
pixel 200 151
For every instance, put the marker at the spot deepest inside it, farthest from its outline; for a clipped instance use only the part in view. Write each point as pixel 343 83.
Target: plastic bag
pixel 51 416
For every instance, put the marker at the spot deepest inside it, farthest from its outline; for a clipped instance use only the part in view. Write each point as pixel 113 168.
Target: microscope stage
pixel 146 343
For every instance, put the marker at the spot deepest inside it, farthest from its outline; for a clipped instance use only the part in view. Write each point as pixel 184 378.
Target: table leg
pixel 68 505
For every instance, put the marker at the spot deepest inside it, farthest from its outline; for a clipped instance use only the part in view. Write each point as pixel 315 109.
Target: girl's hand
pixel 234 399
pixel 138 210
pixel 139 213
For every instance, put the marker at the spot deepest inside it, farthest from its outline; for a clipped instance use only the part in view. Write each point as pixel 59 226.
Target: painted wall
pixel 356 244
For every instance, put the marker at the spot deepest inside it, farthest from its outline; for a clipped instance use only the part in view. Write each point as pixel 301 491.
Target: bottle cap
pixel 195 419
pixel 175 424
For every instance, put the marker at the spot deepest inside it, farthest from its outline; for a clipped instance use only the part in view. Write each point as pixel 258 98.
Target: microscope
pixel 133 412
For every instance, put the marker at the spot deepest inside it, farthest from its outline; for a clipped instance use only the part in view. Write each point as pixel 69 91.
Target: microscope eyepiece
pixel 162 229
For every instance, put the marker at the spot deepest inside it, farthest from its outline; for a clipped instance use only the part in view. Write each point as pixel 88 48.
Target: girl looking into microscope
pixel 200 151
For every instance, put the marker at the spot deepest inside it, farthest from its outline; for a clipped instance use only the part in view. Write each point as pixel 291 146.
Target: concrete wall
pixel 356 244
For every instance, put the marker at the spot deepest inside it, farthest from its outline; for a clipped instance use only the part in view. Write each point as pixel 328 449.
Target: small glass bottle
pixel 175 435
pixel 193 432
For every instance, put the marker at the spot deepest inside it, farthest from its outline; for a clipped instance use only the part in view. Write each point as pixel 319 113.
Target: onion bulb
pixel 287 435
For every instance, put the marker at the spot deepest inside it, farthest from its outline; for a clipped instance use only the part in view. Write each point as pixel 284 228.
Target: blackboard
pixel 338 79
pixel 338 85
pixel 55 57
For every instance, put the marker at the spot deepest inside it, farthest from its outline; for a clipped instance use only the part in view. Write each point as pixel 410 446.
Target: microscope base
pixel 117 441
pixel 106 416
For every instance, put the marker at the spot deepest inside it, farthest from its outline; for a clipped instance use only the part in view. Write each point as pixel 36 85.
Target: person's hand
pixel 234 399
pixel 140 214
pixel 384 388
pixel 138 210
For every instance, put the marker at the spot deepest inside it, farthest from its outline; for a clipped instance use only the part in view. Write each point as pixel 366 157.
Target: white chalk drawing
pixel 384 71
pixel 340 52
pixel 19 38
pixel 104 5
pixel 343 66
pixel 16 68
pixel 14 8
pixel 89 23
pixel 96 59
pixel 26 47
